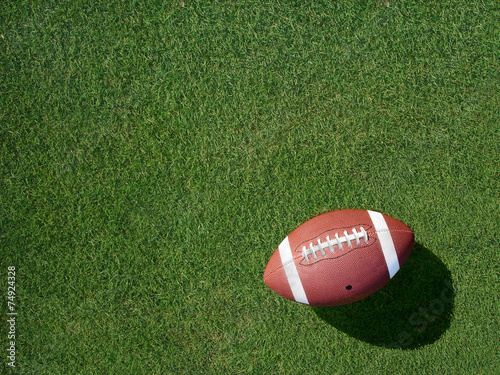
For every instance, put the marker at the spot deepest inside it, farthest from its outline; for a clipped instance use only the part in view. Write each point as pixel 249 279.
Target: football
pixel 339 257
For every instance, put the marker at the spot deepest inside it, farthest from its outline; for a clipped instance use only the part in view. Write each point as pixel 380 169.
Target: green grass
pixel 154 156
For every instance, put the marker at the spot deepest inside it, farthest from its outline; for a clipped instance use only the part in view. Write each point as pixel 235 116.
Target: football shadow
pixel 414 309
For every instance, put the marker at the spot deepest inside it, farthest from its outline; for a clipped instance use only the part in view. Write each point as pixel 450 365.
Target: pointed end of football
pixel 275 277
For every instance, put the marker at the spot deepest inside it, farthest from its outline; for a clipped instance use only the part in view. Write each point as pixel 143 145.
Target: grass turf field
pixel 153 156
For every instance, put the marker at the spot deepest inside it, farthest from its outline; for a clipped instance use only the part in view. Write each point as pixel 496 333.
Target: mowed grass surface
pixel 154 156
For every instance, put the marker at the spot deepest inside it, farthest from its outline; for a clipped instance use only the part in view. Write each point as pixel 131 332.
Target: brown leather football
pixel 339 257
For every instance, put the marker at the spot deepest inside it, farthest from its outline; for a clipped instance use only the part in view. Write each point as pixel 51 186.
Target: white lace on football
pixel 330 243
